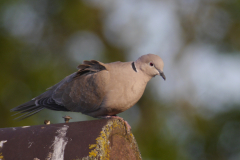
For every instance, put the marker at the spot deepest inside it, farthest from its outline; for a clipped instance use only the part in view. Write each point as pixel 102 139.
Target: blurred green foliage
pixel 29 67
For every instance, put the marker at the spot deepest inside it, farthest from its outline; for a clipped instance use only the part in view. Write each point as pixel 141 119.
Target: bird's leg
pixel 120 118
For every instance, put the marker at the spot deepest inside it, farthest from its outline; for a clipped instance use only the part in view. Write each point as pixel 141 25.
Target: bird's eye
pixel 151 64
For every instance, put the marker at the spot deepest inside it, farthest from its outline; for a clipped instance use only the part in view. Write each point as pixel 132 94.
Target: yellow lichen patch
pixel 1 156
pixel 101 149
pixel 92 146
pixel 92 153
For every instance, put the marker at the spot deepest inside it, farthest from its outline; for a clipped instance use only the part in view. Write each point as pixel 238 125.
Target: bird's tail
pixel 28 109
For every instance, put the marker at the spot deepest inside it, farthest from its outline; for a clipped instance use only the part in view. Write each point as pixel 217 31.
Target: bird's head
pixel 151 65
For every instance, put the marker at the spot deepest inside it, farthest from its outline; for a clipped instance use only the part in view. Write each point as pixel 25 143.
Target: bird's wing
pixel 84 90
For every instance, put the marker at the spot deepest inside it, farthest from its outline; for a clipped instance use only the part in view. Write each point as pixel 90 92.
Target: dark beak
pixel 162 75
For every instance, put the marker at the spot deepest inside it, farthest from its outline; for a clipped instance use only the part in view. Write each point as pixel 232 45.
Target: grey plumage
pixel 98 89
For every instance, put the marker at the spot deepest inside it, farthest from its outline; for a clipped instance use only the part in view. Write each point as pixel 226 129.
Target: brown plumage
pixel 98 89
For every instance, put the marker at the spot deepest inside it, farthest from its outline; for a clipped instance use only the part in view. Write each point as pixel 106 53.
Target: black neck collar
pixel 134 67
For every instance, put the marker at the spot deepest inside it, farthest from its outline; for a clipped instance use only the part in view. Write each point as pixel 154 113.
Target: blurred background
pixel 193 115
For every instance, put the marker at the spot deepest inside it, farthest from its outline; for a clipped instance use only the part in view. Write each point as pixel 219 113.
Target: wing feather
pixel 82 91
pixel 86 89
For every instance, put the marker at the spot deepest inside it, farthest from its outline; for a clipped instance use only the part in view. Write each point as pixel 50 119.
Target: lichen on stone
pixel 101 148
pixel 1 156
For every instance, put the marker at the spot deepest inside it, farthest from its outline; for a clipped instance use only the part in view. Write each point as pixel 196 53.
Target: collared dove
pixel 97 89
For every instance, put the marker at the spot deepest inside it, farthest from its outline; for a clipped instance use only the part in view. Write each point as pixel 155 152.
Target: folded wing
pixel 82 91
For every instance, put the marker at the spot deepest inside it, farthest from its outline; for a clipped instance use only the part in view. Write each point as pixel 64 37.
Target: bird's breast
pixel 123 97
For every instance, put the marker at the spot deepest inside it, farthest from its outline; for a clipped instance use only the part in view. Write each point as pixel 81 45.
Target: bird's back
pixel 82 91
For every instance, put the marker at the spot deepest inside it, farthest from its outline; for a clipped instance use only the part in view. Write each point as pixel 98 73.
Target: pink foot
pixel 120 118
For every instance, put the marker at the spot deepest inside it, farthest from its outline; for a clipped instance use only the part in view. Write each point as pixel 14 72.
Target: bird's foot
pixel 128 127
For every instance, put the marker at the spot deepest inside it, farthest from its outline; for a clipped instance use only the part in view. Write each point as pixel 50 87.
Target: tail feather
pixel 24 106
pixel 19 112
pixel 28 114
pixel 32 107
pixel 28 108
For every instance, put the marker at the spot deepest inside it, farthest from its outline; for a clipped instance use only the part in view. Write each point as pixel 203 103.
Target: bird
pixel 99 90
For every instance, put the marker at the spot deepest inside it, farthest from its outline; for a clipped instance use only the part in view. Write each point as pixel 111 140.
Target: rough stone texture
pixel 114 143
pixel 98 139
